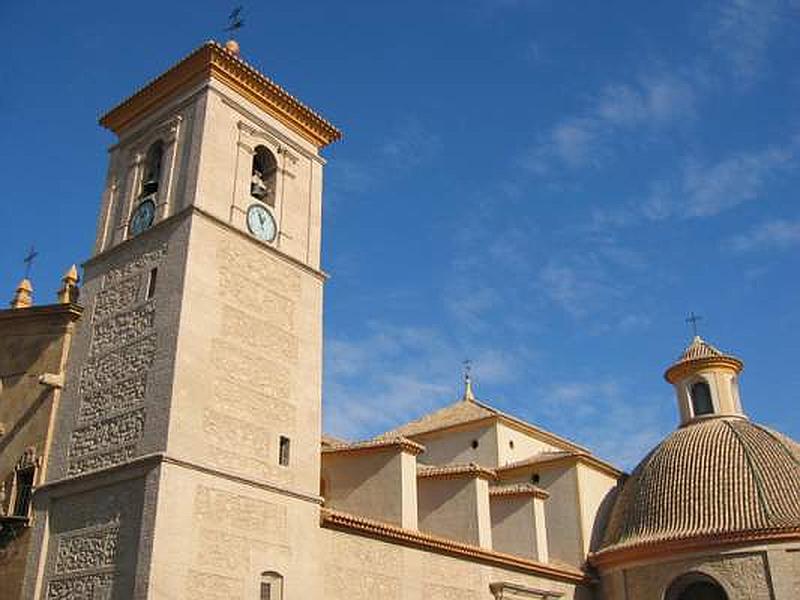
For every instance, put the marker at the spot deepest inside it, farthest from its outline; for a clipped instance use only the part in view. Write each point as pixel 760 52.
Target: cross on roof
pixel 693 319
pixel 28 260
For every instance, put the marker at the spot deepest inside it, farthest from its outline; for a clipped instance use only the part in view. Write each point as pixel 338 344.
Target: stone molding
pixel 213 61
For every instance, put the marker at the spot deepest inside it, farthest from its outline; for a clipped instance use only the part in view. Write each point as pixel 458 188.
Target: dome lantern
pixel 706 382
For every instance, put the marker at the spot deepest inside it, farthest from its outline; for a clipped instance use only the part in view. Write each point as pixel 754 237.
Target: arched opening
pixel 271 586
pixel 701 399
pixel 263 175
pixel 151 175
pixel 695 586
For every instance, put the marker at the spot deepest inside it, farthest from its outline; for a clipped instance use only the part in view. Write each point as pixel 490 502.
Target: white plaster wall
pixel 596 490
pixel 368 484
pixel 525 445
pixel 450 508
pixel 562 512
pixel 455 447
pixel 513 525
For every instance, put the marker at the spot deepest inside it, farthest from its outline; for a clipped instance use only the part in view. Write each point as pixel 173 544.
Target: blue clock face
pixel 142 217
pixel 261 223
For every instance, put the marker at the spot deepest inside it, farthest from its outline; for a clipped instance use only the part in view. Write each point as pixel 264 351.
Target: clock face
pixel 142 217
pixel 261 223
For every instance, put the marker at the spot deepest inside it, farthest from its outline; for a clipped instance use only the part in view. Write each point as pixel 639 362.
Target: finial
pixel 468 394
pixel 69 287
pixel 23 298
pixel 232 46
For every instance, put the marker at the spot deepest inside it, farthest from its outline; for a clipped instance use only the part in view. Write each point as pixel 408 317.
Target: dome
pixel 717 478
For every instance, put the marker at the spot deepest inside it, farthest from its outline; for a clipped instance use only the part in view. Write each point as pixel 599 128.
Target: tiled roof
pixel 518 489
pixel 467 411
pixel 542 458
pixel 209 58
pixel 399 441
pixel 720 476
pixel 699 351
pixel 455 470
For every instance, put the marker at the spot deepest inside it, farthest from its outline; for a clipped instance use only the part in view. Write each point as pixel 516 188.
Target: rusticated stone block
pixel 101 461
pixel 119 397
pixel 257 372
pixel 252 518
pixel 144 261
pixel 94 548
pixel 118 365
pixel 106 435
pixel 259 335
pixel 96 586
pixel 208 586
pixel 117 298
pixel 123 328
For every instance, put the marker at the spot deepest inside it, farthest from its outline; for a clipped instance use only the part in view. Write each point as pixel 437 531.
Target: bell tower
pixel 706 382
pixel 187 448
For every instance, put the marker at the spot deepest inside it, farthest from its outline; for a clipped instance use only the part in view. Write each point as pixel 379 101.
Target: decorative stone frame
pixel 678 584
pixel 251 137
pixel 126 187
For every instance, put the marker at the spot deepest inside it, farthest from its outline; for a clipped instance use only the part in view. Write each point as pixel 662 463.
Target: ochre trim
pixel 683 369
pixel 658 548
pixel 342 521
pixel 400 442
pixel 213 61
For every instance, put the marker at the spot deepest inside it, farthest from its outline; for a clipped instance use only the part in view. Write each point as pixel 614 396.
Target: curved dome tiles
pixel 716 476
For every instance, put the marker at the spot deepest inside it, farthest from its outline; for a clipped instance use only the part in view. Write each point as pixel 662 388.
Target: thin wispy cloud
pixel 776 234
pixel 706 189
pixel 598 414
pixel 408 145
pixel 587 139
pixel 391 374
pixel 701 188
pixel 741 32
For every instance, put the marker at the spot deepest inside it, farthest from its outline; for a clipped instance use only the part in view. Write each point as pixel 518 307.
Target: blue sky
pixel 545 188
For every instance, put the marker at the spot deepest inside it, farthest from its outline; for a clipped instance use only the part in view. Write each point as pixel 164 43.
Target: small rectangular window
pixel 283 452
pixel 151 283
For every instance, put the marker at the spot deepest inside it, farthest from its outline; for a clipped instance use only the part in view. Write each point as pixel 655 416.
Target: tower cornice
pixel 213 61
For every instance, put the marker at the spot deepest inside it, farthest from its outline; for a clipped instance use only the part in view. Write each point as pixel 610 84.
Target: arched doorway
pixel 695 586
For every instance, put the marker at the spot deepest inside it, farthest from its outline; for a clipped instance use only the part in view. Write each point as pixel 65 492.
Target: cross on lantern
pixel 28 260
pixel 693 319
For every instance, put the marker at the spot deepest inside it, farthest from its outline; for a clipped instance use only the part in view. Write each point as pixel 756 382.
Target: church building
pixel 160 428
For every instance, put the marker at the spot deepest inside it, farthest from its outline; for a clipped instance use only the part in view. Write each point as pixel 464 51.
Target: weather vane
pixel 693 319
pixel 28 260
pixel 235 20
pixel 467 369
